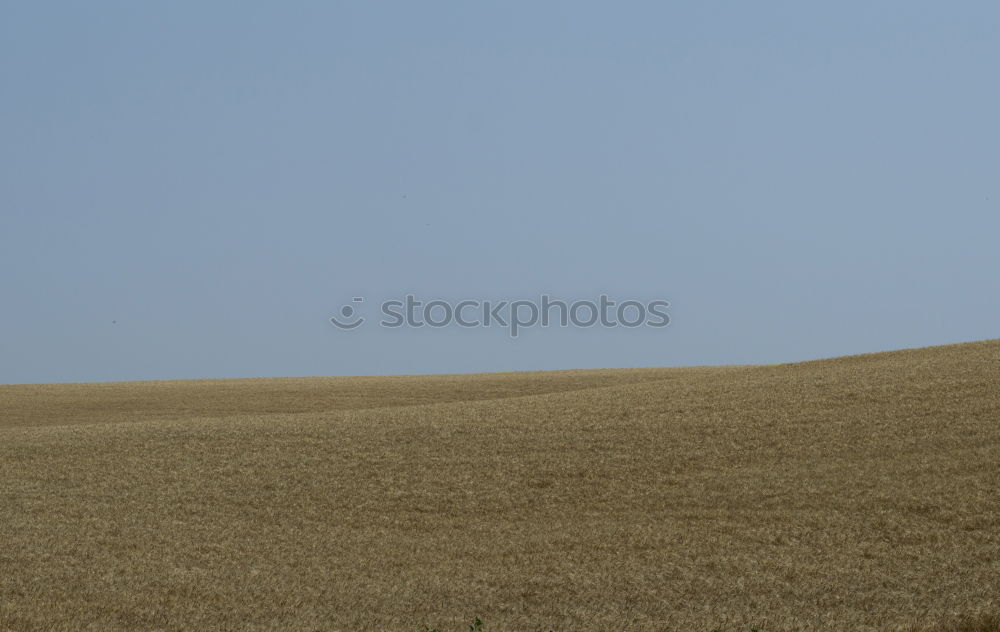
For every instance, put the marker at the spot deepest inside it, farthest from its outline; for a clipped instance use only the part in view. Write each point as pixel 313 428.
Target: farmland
pixel 853 493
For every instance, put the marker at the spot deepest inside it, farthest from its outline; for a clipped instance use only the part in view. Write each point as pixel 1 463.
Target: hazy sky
pixel 191 189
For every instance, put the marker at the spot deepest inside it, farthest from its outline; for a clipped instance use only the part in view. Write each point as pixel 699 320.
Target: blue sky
pixel 191 189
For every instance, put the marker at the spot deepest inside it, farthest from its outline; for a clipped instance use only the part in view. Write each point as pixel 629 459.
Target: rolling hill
pixel 853 493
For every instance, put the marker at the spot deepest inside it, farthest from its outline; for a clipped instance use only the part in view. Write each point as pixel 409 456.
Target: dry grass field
pixel 857 493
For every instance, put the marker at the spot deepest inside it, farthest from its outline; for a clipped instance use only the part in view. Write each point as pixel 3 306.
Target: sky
pixel 192 189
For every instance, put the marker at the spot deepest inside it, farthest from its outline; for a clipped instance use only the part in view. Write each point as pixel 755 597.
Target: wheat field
pixel 855 493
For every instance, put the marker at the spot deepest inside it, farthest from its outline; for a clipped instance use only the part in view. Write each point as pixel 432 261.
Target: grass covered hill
pixel 855 493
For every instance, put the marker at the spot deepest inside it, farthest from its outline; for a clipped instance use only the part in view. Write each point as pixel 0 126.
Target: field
pixel 855 493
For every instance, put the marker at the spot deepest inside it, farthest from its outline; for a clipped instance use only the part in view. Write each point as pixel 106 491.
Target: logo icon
pixel 347 312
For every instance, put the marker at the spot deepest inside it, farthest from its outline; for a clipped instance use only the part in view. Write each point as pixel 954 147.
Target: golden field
pixel 856 493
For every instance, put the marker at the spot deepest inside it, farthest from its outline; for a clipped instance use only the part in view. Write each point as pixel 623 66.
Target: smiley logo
pixel 347 313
